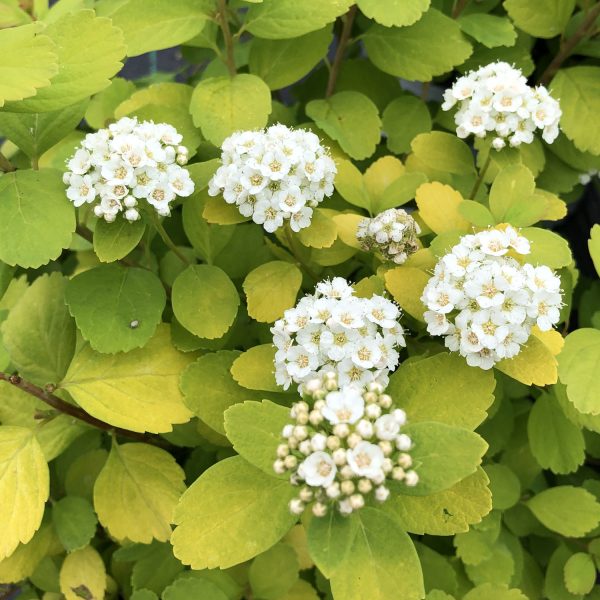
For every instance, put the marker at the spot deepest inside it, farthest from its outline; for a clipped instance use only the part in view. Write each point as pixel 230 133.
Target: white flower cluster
pixel 343 446
pixel 128 162
pixel 274 175
pixel 496 98
pixel 393 233
pixel 485 302
pixel 333 330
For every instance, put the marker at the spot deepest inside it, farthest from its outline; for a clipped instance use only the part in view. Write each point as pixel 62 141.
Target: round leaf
pixel 403 119
pixel 113 241
pixel 580 573
pixel 255 370
pixel 74 522
pixel 396 13
pixel 83 575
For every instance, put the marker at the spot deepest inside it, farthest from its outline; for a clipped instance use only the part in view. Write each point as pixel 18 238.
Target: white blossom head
pixel 392 233
pixel 495 100
pixel 129 162
pixel 343 446
pixel 274 175
pixel 357 339
pixel 485 302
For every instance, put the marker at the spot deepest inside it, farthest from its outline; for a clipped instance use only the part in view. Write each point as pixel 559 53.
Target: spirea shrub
pixel 312 314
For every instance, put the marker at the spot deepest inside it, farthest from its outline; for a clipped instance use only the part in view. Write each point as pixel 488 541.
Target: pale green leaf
pixel 74 521
pixel 512 199
pixel 444 152
pixel 580 573
pixel 489 30
pixel 113 241
pixel 403 119
pixel 439 207
pixel 476 213
pixel 504 485
pixel 547 248
pixel 255 369
pixel 397 13
pixel 400 191
pixel 350 185
pixel 406 284
pixel 321 233
pixel 540 18
pixel 83 575
pixel 273 573
pixel 494 591
pixel 192 587
pixel 101 108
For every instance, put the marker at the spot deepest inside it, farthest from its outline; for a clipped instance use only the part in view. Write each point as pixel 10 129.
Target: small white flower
pixel 318 469
pixel 365 459
pixel 387 427
pixel 345 406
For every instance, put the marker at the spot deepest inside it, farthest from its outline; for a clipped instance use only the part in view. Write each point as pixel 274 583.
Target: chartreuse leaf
pixel 540 18
pixel 136 492
pixel 102 106
pixel 154 25
pixel 580 573
pixel 29 61
pixel 192 587
pixel 547 248
pixel 138 390
pixel 477 544
pixel 380 175
pixel 429 47
pixel 594 246
pixel 24 486
pixel 476 213
pixel 381 562
pixel 144 594
pixel 89 52
pixel 321 233
pixel 555 442
pixel 439 207
pixel 403 119
pixel 222 105
pixel 442 455
pixel 116 308
pixel 351 119
pixel 253 505
pixel 205 301
pixel 254 429
pixel 577 369
pixel 34 227
pixel 494 591
pixel 567 510
pixel 39 333
pixel 271 289
pixel 113 241
pixel 406 285
pixel 400 191
pixel 467 393
pixel 579 91
pixel 209 388
pixel 282 19
pixel 443 152
pixel 83 575
pixel 273 573
pixel 255 370
pixel 504 485
pixel 280 63
pixel 349 183
pixel 74 521
pixel 489 30
pixel 397 13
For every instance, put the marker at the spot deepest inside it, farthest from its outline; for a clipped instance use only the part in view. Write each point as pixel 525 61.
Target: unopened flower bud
pixel 306 494
pixel 346 472
pixel 365 428
pixel 318 442
pixel 333 442
pixel 290 461
pixel 279 467
pixel 370 397
pixel 347 487
pixel 333 491
pixel 302 418
pixel 405 460
pixel 296 506
pixel 373 411
pixel 288 431
pixel 305 447
pixel 411 478
pixel 315 417
pixel 364 486
pixel 403 442
pixel 376 387
pixel 382 493
pixel 341 430
pixel 357 501
pixel 345 507
pixel 339 457
pixel 387 465
pixel 353 440
pixel 319 509
pixel 385 401
pixel 398 473
pixel 400 416
pixel 386 447
pixel 300 432
pixel 283 450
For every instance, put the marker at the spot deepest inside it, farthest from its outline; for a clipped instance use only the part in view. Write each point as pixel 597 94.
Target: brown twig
pixel 568 45
pixel 459 7
pixel 5 165
pixel 76 412
pixel 223 19
pixel 340 51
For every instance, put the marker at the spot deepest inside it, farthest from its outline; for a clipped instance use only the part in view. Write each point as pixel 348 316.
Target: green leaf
pixel 222 105
pixel 593 246
pixel 36 133
pixel 430 47
pixel 273 573
pixel 113 241
pixel 442 456
pixel 154 25
pixel 29 61
pixel 39 333
pixel 116 308
pixel 580 573
pixel 192 587
pixel 138 390
pixel 24 486
pixel 540 18
pixel 156 569
pixel 381 563
pixel 556 443
pixel 579 91
pixel 477 545
pixel 74 521
pixel 444 513
pixel 254 506
pixel 418 386
pixel 403 119
pixel 504 485
pixel 350 185
pixel 280 63
pixel 321 233
pixel 136 492
pixel 489 30
pixel 205 301
pixel 282 19
pixel 254 428
pixel 400 191
pixel 83 573
pixel 351 119
pixel 406 284
pixel 547 248
pixel 438 206
pixel 89 52
pixel 209 389
pixel 34 227
pixel 397 13
pixel 494 591
pixel 512 199
pixel 254 369
pixel 577 369
pixel 143 595
pixel 271 289
pixel 101 108
pixel 476 213
pixel 444 152
pixel 555 508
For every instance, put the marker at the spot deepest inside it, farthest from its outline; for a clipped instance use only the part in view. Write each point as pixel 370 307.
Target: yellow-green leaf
pixel 406 284
pixel 439 208
pixel 255 370
pixel 83 575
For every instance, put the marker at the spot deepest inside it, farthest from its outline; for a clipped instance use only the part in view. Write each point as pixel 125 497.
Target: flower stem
pixel 459 7
pixel 5 165
pixel 340 51
pixel 223 19
pixel 482 173
pixel 168 241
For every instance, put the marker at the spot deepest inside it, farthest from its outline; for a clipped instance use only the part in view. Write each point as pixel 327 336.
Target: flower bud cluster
pixel 485 302
pixel 392 233
pixel 497 99
pixel 274 175
pixel 333 330
pixel 118 167
pixel 344 446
